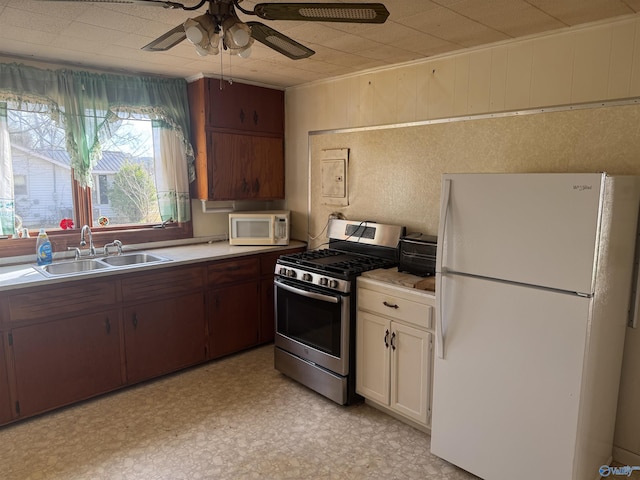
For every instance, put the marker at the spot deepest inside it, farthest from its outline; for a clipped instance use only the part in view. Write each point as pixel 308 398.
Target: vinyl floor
pixel 234 418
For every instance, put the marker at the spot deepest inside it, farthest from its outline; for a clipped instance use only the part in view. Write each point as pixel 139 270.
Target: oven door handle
pixel 304 293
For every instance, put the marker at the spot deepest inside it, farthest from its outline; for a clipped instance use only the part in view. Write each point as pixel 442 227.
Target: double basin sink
pixel 92 265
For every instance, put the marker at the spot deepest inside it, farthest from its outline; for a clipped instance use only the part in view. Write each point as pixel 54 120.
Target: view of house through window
pixel 124 188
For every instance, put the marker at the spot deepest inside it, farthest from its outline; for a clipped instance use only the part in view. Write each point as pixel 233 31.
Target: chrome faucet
pixel 83 242
pixel 115 243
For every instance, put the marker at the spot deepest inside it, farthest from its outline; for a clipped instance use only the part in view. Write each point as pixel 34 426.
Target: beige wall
pixel 575 66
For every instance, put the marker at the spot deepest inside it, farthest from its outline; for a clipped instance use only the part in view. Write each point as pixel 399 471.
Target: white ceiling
pixel 108 36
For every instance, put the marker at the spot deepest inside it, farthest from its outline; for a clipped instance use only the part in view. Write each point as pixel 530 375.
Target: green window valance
pixel 85 104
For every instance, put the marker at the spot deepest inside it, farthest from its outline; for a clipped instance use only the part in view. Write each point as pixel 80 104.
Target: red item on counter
pixel 66 224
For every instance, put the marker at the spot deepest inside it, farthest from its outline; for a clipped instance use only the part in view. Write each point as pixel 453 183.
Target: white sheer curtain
pixel 172 178
pixel 7 202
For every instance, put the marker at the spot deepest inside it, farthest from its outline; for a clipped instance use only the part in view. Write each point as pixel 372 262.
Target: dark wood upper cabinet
pixel 237 132
pixel 243 107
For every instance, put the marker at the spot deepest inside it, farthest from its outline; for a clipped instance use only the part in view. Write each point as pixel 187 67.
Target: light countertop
pixel 391 275
pixel 24 275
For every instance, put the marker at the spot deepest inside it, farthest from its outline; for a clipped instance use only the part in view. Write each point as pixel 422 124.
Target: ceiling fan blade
pixel 324 12
pixel 279 42
pixel 155 3
pixel 166 41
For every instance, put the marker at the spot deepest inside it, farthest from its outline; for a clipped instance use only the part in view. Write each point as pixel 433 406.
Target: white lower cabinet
pixel 394 349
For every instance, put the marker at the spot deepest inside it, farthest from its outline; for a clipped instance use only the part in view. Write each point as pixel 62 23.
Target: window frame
pixel 164 96
pixel 64 240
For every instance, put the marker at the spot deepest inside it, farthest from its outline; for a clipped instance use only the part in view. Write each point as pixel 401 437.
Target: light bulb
pixel 246 53
pixel 203 52
pixel 239 36
pixel 194 31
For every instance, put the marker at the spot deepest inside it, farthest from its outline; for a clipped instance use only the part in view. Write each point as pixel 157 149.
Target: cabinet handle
pixel 241 116
pixel 393 341
pixel 255 117
pixel 386 338
pixel 107 325
pixel 390 305
pixel 135 321
pixel 256 186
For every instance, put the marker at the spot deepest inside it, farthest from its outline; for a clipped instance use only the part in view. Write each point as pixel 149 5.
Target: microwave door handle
pixel 304 293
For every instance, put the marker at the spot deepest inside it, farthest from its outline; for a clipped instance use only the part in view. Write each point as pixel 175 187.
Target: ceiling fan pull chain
pixel 221 75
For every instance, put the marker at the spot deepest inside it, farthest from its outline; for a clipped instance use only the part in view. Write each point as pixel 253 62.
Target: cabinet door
pixel 227 168
pixel 164 336
pixel 244 107
pixel 234 318
pixel 373 334
pixel 267 311
pixel 266 175
pixel 60 362
pixel 245 167
pixel 5 400
pixel 410 371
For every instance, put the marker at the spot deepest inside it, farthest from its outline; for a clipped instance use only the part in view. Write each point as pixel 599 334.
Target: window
pixel 102 187
pixel 106 150
pixel 124 182
pixel 19 184
pixel 42 180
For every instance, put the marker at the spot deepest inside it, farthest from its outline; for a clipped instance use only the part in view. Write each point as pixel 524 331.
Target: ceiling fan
pixel 220 27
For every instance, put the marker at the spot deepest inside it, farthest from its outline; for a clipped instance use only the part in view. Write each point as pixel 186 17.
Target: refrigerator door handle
pixel 439 315
pixel 442 224
pixel 444 209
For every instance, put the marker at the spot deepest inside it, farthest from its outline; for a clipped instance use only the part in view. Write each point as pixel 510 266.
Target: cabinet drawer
pixel 162 283
pixel 408 311
pixel 233 271
pixel 48 302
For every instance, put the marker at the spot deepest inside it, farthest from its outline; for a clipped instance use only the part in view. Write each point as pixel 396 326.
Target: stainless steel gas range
pixel 316 305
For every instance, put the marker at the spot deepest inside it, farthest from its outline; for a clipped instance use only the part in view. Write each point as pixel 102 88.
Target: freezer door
pixel 538 229
pixel 507 392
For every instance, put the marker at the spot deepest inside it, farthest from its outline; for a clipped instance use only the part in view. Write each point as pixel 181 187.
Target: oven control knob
pixel 291 273
pixel 333 283
pixel 282 271
pixel 324 281
pixel 306 277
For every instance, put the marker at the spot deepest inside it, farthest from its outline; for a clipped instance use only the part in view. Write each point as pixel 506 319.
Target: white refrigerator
pixel 533 283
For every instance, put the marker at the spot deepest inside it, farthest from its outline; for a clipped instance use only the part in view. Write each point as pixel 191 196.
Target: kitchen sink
pixel 74 267
pixel 132 259
pixel 91 265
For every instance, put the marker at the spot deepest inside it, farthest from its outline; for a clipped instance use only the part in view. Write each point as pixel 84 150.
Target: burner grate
pixel 336 262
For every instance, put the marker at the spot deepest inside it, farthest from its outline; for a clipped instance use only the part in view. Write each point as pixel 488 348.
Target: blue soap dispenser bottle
pixel 44 255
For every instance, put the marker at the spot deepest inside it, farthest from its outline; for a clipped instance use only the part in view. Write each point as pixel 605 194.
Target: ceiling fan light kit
pixel 221 21
pixel 201 32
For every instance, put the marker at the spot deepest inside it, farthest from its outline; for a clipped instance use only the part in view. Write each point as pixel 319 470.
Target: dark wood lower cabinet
pixel 69 342
pixel 234 318
pixel 5 399
pixel 267 315
pixel 163 336
pixel 63 361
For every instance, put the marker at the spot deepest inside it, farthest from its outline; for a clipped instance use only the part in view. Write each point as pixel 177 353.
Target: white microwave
pixel 259 228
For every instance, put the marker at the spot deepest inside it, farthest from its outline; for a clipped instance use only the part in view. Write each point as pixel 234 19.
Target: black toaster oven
pixel 417 254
